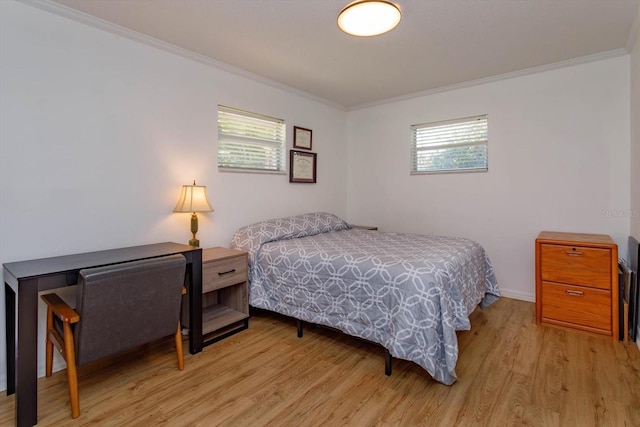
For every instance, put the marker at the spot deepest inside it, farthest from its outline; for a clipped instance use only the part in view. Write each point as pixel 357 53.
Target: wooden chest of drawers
pixel 577 281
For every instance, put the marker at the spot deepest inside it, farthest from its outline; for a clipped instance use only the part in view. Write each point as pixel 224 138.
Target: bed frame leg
pixel 387 362
pixel 299 328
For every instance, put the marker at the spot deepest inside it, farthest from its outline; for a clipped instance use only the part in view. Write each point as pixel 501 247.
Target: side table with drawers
pixel 577 281
pixel 225 294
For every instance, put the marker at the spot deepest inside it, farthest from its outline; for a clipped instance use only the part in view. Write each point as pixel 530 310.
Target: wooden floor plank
pixel 510 373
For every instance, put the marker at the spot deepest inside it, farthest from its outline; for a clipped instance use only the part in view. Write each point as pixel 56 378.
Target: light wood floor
pixel 511 373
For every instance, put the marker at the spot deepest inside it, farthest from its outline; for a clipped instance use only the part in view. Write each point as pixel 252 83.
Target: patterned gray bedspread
pixel 410 293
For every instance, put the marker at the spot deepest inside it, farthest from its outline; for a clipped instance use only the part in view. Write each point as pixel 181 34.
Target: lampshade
pixel 193 199
pixel 369 17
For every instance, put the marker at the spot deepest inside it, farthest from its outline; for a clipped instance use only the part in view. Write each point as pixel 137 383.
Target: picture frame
pixel 302 166
pixel 302 138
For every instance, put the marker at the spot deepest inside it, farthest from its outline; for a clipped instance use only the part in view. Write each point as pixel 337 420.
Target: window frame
pixel 458 143
pixel 280 144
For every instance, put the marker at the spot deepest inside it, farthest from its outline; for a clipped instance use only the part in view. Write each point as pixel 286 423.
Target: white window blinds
pixel 458 145
pixel 250 142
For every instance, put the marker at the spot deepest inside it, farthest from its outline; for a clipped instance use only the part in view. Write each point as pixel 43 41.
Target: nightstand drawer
pixel 222 273
pixel 576 305
pixel 576 265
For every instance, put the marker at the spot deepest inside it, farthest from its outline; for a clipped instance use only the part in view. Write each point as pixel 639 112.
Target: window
pixel 450 146
pixel 250 142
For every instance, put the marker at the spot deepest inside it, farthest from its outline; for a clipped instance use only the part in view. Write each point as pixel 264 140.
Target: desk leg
pixel 195 303
pixel 10 331
pixel 26 360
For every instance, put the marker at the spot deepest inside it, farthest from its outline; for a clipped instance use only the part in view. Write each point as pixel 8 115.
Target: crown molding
pixel 562 64
pixel 75 15
pixel 92 21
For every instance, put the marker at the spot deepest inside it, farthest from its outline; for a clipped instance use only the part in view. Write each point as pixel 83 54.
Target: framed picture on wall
pixel 302 138
pixel 302 166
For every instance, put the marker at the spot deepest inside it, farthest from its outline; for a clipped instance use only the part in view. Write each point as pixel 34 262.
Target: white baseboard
pixel 523 296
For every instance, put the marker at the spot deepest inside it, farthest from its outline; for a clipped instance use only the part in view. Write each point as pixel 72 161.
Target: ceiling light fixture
pixel 366 18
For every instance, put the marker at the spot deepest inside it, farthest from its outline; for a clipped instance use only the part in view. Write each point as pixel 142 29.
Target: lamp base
pixel 194 229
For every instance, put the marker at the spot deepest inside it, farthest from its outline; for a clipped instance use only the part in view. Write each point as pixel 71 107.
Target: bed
pixel 409 293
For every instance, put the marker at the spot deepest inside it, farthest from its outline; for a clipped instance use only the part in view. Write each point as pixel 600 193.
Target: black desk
pixel 24 279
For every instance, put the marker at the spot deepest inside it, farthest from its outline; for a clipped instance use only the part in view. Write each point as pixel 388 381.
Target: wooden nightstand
pixel 365 227
pixel 577 281
pixel 225 294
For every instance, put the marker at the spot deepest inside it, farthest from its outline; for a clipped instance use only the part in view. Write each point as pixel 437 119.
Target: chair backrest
pixel 125 305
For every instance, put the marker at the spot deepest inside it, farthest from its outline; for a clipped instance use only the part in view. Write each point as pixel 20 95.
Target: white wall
pixel 98 133
pixel 558 160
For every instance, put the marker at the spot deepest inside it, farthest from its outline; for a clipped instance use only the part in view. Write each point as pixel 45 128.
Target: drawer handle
pixel 574 253
pixel 224 273
pixel 575 293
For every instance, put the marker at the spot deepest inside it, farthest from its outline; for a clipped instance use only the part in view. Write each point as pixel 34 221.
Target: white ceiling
pixel 438 43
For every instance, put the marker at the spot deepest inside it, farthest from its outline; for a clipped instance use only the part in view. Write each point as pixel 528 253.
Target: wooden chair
pixel 118 307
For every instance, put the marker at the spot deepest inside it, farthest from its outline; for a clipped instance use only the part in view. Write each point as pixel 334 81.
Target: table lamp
pixel 193 199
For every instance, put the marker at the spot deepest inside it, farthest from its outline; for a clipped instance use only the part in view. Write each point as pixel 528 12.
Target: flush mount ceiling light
pixel 366 18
